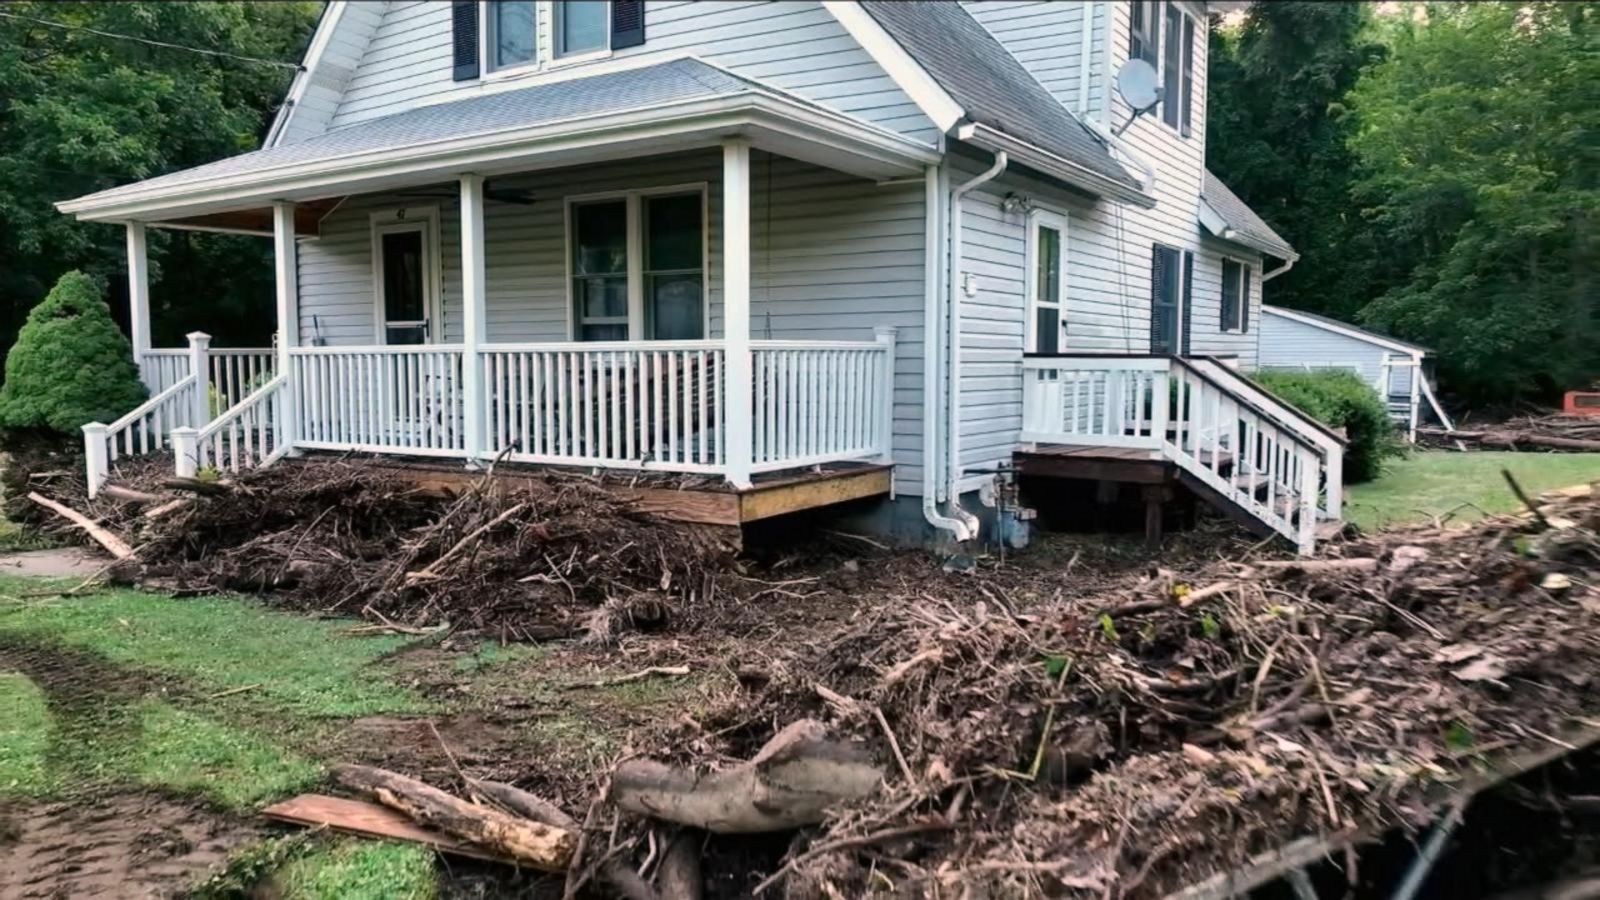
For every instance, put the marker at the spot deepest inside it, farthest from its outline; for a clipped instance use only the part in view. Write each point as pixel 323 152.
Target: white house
pixel 742 239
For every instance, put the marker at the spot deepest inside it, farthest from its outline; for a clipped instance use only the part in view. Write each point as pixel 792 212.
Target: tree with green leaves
pixel 71 365
pixel 1479 144
pixel 81 111
pixel 1276 133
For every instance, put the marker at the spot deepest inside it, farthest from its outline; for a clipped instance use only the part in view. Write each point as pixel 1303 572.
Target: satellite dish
pixel 1136 82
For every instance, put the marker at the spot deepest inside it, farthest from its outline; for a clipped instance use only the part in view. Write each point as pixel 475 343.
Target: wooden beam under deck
pixel 771 495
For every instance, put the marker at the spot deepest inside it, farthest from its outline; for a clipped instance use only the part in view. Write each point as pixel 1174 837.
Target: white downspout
pixel 931 346
pixel 953 438
pixel 1268 276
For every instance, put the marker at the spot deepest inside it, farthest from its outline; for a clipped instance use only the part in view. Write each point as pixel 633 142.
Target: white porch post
pixel 138 296
pixel 472 314
pixel 736 306
pixel 287 270
pixel 200 367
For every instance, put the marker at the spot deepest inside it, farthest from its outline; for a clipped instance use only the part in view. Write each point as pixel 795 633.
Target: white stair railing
pixel 248 435
pixel 1222 430
pixel 1243 452
pixel 147 428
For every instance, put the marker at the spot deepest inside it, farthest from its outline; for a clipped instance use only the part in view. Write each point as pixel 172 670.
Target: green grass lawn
pixel 220 698
pixel 1436 482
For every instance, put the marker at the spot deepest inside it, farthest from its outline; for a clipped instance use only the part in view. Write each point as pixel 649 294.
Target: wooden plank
pixel 701 507
pixel 765 501
pixel 1131 471
pixel 370 820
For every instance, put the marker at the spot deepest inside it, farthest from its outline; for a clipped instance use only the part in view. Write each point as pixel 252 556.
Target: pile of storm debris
pixel 526 559
pixel 1549 433
pixel 1005 734
pixel 1022 730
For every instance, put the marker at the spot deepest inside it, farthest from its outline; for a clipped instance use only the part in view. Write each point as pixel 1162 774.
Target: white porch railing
pixel 654 405
pixel 1258 452
pixel 657 405
pixel 232 372
pixel 390 399
pixel 821 401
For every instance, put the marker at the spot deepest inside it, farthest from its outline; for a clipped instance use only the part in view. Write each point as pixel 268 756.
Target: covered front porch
pixel 725 301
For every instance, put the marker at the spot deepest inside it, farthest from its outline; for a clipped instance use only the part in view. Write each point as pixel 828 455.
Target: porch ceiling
pixel 676 105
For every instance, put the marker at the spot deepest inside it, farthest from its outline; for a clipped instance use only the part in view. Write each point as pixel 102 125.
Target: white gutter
pixel 1147 172
pixel 1058 166
pixel 931 345
pixel 953 438
pixel 1287 265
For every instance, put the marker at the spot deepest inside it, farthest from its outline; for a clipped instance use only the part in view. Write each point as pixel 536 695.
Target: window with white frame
pixel 519 34
pixel 1047 280
pixel 1235 295
pixel 1149 22
pixel 638 265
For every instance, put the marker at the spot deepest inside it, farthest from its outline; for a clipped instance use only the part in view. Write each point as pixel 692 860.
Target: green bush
pixel 71 365
pixel 1340 399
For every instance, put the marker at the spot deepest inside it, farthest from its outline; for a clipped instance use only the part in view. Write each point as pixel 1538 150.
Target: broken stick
pixel 114 545
pixel 541 846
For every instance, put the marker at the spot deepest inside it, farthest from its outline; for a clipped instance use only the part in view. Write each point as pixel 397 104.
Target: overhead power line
pixel 221 54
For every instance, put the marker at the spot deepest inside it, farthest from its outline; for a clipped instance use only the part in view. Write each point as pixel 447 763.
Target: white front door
pixel 405 279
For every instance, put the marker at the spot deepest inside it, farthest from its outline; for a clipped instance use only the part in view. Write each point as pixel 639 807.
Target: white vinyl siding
pixel 833 258
pixel 793 45
pixel 1290 344
pixel 315 109
pixel 1046 36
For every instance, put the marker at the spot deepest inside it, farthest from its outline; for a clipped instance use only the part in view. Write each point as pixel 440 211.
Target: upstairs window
pixel 581 26
pixel 1144 40
pixel 1148 23
pixel 513 33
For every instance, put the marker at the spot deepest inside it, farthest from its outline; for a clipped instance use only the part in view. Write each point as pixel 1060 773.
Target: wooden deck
pixel 1111 466
pixel 699 500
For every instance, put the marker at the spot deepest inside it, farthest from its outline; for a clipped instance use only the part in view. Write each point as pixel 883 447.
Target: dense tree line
pixel 1436 166
pixel 81 111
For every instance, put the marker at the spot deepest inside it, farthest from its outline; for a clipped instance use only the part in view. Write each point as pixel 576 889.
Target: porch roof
pixel 658 108
pixel 994 90
pixel 1225 215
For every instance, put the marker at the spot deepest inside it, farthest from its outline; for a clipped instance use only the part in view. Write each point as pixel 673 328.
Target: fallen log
pixel 114 545
pixel 1546 441
pixel 540 846
pixel 515 800
pixel 793 781
pixel 1358 564
pixel 197 486
pixel 129 495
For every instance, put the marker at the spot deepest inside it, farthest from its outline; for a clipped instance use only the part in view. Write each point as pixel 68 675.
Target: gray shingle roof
pixel 1241 218
pixel 989 83
pixel 645 87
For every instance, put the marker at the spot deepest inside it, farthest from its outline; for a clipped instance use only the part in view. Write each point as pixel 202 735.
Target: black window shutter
pixel 464 28
pixel 1136 36
pixel 1188 295
pixel 1171 77
pixel 1244 298
pixel 627 23
pixel 1188 73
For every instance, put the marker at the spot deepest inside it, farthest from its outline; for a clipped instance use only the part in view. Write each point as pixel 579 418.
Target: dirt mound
pixel 540 557
pixel 131 845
